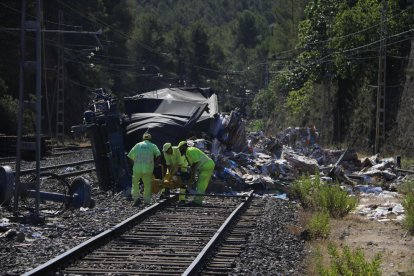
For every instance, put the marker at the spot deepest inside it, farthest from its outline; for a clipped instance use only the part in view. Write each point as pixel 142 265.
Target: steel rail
pixel 7 159
pixel 72 148
pixel 61 260
pixel 213 195
pixel 57 166
pixel 191 246
pixel 70 174
pixel 199 261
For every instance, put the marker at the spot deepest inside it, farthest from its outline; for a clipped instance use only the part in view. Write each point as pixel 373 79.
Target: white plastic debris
pixel 368 189
pixel 70 169
pixel 37 235
pixel 398 209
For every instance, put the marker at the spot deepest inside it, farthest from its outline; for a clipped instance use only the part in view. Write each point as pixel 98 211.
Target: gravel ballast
pixel 271 249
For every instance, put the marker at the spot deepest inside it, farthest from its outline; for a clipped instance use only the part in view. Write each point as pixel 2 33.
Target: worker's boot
pixel 137 202
pixel 165 193
pixel 183 194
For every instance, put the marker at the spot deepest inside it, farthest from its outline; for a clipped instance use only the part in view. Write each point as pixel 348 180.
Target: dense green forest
pixel 283 63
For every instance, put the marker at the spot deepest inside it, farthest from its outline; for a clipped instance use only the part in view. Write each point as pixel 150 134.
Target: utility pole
pixel 60 99
pixel 38 83
pixel 33 26
pixel 381 92
pixel 20 109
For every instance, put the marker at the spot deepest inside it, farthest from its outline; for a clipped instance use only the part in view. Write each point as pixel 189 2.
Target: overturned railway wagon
pixel 169 114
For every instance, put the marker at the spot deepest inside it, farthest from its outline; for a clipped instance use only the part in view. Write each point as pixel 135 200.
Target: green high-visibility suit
pixel 176 162
pixel 204 167
pixel 143 155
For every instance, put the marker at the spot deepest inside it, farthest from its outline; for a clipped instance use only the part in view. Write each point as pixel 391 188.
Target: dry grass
pixel 389 239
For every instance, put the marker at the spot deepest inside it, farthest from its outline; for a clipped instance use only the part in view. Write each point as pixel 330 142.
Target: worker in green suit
pixel 177 165
pixel 201 164
pixel 144 154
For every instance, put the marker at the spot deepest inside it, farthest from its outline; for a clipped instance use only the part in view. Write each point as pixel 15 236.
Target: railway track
pixel 52 167
pixel 56 153
pixel 166 239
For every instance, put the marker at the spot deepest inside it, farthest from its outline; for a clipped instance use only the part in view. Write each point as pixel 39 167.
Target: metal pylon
pixel 381 92
pixel 25 25
pixel 60 103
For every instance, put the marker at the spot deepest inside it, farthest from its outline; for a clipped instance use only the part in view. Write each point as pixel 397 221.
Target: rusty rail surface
pixel 164 239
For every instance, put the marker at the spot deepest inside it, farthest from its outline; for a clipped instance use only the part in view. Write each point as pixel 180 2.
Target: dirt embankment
pixel 384 236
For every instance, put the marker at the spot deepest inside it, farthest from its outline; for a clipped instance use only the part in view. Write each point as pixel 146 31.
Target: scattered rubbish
pixel 37 235
pixel 368 189
pixel 4 224
pixel 386 207
pixel 280 196
pixel 398 209
pixel 70 169
pixel 243 161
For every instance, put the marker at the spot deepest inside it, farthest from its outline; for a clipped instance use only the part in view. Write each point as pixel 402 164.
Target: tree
pixel 246 30
pixel 146 48
pixel 200 52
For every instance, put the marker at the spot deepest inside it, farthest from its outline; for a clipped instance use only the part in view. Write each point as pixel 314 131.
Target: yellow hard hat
pixel 166 146
pixel 146 136
pixel 182 143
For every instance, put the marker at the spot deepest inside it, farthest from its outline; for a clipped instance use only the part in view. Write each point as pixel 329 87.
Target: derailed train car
pixel 169 115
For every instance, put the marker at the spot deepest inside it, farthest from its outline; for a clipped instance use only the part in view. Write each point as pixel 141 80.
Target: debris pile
pixel 256 161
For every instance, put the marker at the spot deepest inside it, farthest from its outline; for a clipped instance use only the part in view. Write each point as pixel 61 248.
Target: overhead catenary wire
pixel 76 9
pixel 363 30
pixel 113 29
pixel 45 20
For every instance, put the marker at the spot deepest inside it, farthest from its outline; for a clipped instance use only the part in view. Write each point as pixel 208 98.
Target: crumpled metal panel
pixel 168 114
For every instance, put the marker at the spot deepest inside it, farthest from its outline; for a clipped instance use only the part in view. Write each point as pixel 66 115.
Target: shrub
pixel 407 187
pixel 255 125
pixel 8 110
pixel 407 163
pixel 303 188
pixel 408 204
pixel 334 200
pixel 331 198
pixel 350 263
pixel 319 225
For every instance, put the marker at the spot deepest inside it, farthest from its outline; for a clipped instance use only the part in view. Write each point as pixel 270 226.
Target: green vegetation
pixel 407 189
pixel 145 45
pixel 304 188
pixel 314 194
pixel 319 225
pixel 281 62
pixel 408 204
pixel 335 200
pixel 255 125
pixel 325 199
pixel 407 163
pixel 8 109
pixel 349 262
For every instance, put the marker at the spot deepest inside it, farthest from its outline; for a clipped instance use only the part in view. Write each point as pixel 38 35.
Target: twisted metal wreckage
pixel 170 115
